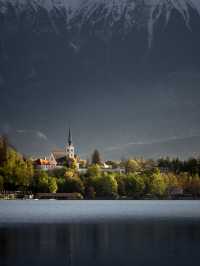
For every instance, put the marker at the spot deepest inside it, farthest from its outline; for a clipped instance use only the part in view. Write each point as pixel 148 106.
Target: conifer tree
pixel 96 159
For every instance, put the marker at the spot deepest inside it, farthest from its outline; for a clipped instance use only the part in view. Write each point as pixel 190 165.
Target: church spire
pixel 70 148
pixel 70 138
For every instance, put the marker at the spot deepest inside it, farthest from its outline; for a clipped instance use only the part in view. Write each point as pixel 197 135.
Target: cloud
pixel 37 133
pixel 119 147
pixel 41 135
pixel 21 131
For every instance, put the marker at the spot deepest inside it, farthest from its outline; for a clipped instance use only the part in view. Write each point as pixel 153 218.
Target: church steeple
pixel 70 147
pixel 70 137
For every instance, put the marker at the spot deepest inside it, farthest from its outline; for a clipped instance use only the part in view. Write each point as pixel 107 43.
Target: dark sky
pixel 112 87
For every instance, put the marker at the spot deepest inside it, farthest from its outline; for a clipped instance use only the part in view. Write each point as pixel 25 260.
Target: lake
pixel 99 233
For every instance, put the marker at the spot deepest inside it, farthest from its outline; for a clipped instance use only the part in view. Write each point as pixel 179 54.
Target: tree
pixel 1 183
pixel 171 182
pixel 42 182
pixel 3 150
pixel 52 185
pixel 121 182
pixel 73 184
pixel 96 159
pixel 93 173
pixel 134 185
pixel 93 170
pixel 155 184
pixel 72 164
pixel 131 166
pixel 69 173
pixel 193 185
pixel 184 181
pixel 17 171
pixel 24 173
pixel 192 166
pixel 106 186
pixel 149 166
pixel 58 173
pixel 90 192
pixel 61 183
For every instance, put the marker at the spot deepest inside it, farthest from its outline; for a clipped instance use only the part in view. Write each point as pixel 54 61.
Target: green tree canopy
pixel 1 183
pixel 42 182
pixel 156 184
pixel 58 173
pixel 96 158
pixel 71 184
pixel 193 185
pixel 131 166
pixel 69 173
pixel 17 171
pixel 121 182
pixel 53 187
pixel 106 186
pixel 134 185
pixel 94 170
pixel 3 150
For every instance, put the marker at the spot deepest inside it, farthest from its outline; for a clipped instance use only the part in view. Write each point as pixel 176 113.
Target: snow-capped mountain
pixel 137 34
pixel 109 13
pixel 135 54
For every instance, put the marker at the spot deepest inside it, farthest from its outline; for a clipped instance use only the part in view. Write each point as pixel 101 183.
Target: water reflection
pixel 137 243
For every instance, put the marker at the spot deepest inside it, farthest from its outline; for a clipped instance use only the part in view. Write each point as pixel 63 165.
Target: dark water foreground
pixel 99 233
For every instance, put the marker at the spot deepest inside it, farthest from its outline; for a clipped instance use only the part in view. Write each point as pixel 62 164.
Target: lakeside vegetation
pixel 141 178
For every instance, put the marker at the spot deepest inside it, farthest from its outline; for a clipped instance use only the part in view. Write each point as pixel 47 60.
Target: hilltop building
pixel 60 158
pixel 67 156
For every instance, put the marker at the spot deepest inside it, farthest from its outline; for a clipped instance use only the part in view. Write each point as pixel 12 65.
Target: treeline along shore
pixel 141 179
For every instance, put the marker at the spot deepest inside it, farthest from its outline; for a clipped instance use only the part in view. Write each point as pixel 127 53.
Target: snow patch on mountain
pixel 110 11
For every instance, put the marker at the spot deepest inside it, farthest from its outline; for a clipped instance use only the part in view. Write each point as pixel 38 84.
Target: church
pixel 64 157
pixel 60 158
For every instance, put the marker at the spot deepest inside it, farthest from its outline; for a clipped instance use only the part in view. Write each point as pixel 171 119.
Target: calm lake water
pixel 99 233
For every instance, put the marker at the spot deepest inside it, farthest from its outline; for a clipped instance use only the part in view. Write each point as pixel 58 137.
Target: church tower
pixel 70 147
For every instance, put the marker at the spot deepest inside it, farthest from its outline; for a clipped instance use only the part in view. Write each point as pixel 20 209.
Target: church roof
pixel 58 154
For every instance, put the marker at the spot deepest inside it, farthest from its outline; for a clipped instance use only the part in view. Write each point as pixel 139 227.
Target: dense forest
pixel 140 179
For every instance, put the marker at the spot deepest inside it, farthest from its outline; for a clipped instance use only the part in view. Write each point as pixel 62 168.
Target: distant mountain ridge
pixel 182 148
